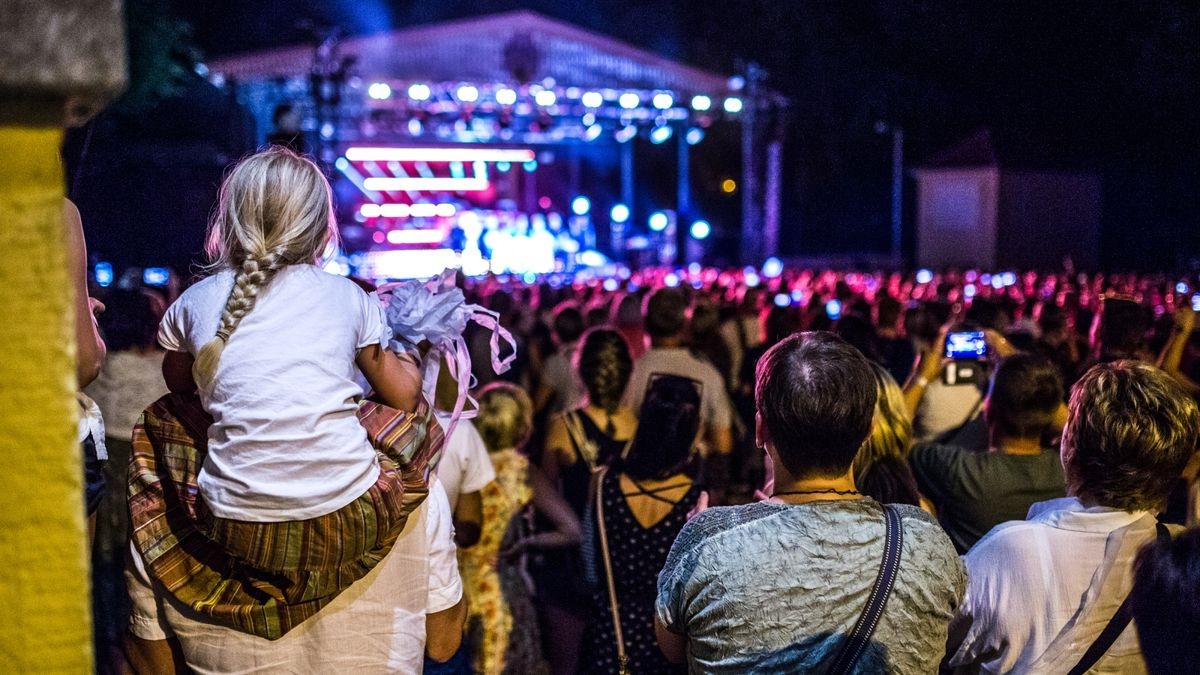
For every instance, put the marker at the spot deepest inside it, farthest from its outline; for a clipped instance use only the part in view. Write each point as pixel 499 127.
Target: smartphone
pixel 156 276
pixel 968 345
pixel 103 274
pixel 1196 302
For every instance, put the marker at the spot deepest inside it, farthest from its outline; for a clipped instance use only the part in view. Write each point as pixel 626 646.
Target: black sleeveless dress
pixel 558 574
pixel 637 555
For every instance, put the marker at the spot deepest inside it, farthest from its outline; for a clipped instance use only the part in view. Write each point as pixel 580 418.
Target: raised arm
pixel 1172 354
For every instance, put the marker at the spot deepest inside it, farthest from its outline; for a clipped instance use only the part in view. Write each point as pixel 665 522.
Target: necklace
pixel 829 491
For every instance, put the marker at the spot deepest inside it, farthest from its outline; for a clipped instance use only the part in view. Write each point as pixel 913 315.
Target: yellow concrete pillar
pixel 44 572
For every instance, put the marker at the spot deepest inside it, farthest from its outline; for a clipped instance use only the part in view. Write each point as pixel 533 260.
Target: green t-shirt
pixel 976 491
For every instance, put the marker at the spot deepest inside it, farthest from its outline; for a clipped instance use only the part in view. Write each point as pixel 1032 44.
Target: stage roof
pixel 488 49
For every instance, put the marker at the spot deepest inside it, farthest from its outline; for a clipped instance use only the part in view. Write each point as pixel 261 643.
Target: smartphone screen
pixel 1196 302
pixel 966 345
pixel 156 276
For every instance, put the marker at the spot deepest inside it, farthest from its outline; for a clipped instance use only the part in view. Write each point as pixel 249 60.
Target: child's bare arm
pixel 394 377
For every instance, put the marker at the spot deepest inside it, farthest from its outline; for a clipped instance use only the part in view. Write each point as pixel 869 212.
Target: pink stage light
pixel 361 154
pixel 407 210
pixel 415 237
pixel 382 184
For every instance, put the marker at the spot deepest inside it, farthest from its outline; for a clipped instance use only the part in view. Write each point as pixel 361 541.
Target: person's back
pixel 782 585
pixel 1042 591
pixel 779 586
pixel 284 394
pixel 975 491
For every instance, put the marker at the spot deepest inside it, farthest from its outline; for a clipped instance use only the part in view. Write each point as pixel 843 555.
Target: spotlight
pixel 592 132
pixel 694 135
pixel 671 280
pixel 588 119
pixel 701 103
pixel 545 98
pixel 103 273
pixel 772 268
pixel 611 285
pixel 733 105
pixel 629 100
pixel 506 96
pixel 503 166
pixel 663 100
pixel 467 94
pixel 834 309
pixel 530 166
pixel 729 186
pixel 619 213
pixel 783 300
pixel 419 92
pixel 701 229
pixel 658 221
pixel 626 133
pixel 380 91
pixel 659 135
pixel 581 205
pixel 924 276
pixel 415 128
pixel 592 99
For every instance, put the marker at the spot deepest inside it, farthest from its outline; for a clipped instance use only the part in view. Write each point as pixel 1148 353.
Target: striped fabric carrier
pixel 267 578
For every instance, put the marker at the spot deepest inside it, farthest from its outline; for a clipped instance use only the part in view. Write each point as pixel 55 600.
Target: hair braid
pixel 253 275
pixel 605 366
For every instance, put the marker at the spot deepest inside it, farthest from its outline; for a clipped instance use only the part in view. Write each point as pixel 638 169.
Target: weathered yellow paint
pixel 45 623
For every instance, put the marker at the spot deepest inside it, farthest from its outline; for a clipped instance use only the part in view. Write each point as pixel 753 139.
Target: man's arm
pixel 673 646
pixel 468 519
pixel 444 630
pixel 89 347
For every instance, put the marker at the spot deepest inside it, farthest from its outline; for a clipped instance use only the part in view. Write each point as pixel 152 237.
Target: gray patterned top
pixel 774 588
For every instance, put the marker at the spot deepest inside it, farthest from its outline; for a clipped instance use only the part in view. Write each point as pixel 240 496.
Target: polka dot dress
pixel 638 554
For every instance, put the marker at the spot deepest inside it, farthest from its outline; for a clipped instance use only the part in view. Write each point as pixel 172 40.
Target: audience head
pixel 605 366
pixel 891 431
pixel 1024 395
pixel 1130 431
pixel 1119 331
pixel 627 313
pixel 666 314
pixel 568 322
pixel 129 321
pixel 858 332
pixel 663 444
pixel 705 321
pixel 815 398
pixel 286 117
pixel 1166 603
pixel 778 323
pixel 505 418
pixel 887 313
pixel 274 209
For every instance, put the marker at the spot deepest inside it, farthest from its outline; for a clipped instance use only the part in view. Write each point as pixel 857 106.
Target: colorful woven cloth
pixel 266 578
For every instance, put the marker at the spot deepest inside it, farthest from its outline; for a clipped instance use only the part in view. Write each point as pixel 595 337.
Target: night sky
pixel 1108 87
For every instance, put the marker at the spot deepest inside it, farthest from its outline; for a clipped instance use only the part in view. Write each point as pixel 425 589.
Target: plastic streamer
pixel 437 312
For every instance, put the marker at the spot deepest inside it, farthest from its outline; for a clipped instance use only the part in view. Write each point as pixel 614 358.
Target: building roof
pixel 1016 151
pixel 505 48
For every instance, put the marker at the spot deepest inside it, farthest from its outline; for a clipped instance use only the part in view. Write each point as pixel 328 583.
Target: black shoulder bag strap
pixel 1115 626
pixel 852 650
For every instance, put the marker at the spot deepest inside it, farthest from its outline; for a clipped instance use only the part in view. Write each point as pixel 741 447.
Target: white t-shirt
pixel 1039 591
pixel 128 383
pixel 716 411
pixel 465 466
pixel 375 626
pixel 285 443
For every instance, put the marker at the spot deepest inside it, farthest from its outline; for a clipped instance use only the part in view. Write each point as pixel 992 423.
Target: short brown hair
pixel 1130 431
pixel 816 395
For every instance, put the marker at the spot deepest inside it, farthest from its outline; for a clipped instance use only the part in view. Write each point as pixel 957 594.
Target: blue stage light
pixel 619 213
pixel 658 221
pixel 581 205
pixel 701 229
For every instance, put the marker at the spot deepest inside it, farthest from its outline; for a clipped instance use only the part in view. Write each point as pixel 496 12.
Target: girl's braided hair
pixel 275 209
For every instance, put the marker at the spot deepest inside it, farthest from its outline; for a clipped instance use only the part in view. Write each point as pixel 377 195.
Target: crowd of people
pixel 684 470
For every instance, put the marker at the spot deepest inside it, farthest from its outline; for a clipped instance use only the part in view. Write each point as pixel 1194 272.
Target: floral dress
pixel 502 626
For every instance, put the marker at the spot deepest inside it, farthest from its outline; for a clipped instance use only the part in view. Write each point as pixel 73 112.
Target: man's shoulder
pixel 714 522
